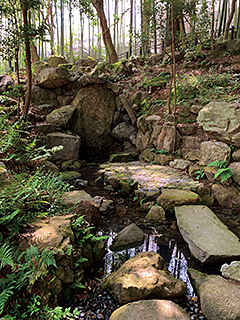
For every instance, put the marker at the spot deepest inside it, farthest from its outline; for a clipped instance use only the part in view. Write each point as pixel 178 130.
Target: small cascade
pixel 174 258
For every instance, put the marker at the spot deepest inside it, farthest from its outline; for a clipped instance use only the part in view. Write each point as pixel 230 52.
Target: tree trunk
pixel 28 64
pixel 98 5
pixel 229 20
pixel 62 28
pixel 131 27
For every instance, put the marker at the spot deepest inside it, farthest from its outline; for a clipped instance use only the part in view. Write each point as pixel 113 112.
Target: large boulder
pixel 39 65
pixel 54 61
pixel 86 62
pixel 211 151
pixel 219 298
pixel 150 310
pixel 51 78
pixel 94 114
pixel 42 96
pixel 130 236
pixel 143 277
pixel 123 132
pixel 221 121
pixel 62 117
pixel 120 68
pixel 235 167
pixel 209 240
pixel 71 145
pixel 71 198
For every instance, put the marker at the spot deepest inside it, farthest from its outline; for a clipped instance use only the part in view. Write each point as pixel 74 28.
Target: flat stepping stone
pixel 148 176
pixel 209 240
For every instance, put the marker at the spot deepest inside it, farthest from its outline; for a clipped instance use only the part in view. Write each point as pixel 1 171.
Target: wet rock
pixel 70 143
pixel 51 78
pixel 107 207
pixel 209 240
pixel 142 277
pixel 79 183
pixel 211 151
pixel 219 298
pixel 205 196
pixel 156 213
pixel 62 117
pixel 130 236
pixel 150 310
pixel 231 271
pixel 170 198
pixel 221 121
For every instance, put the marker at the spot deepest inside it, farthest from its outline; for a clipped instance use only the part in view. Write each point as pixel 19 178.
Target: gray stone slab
pixel 209 240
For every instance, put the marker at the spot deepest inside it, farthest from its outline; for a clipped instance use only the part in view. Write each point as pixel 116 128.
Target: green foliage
pixel 159 151
pixel 224 173
pixel 28 197
pixel 27 268
pixel 199 174
pixel 18 145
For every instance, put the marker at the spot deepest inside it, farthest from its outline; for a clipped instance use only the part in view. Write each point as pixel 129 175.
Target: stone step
pixel 209 240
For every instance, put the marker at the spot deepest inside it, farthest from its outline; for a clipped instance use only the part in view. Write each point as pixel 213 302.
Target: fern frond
pixel 4 297
pixel 48 258
pixel 215 163
pixel 6 256
pixel 224 174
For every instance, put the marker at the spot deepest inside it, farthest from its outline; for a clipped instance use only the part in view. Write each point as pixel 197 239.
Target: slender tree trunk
pixel 174 74
pixel 62 27
pixel 57 25
pixel 238 21
pixel 154 26
pixel 98 5
pixel 229 19
pixel 70 33
pixel 28 64
pixel 131 27
pixel 212 28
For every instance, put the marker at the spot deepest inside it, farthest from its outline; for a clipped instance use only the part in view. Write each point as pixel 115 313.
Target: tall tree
pixel 226 32
pixel 107 39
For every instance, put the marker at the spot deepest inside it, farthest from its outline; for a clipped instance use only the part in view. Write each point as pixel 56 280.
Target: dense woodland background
pixel 110 29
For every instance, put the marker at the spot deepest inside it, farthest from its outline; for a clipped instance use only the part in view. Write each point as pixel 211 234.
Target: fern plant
pixel 224 172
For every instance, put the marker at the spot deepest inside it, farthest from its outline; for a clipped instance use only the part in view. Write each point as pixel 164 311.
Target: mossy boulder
pixel 174 197
pixel 129 237
pixel 159 82
pixel 124 157
pixel 120 68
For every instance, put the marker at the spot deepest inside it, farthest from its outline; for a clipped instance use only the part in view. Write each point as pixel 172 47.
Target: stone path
pixel 148 176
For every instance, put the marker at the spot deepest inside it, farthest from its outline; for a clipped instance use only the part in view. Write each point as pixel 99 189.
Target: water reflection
pixel 174 258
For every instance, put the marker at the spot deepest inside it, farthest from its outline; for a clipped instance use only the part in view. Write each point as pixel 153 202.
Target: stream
pixel 162 238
